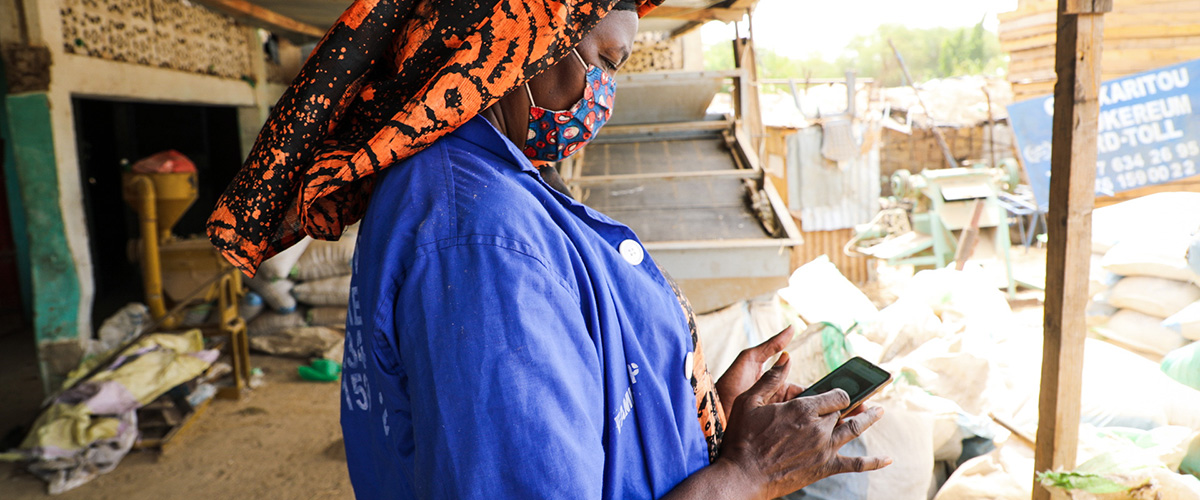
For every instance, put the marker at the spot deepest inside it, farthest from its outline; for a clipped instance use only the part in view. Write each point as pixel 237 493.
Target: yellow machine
pixel 197 272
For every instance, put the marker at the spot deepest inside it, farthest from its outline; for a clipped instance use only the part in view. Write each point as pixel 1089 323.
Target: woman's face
pixel 561 86
pixel 607 47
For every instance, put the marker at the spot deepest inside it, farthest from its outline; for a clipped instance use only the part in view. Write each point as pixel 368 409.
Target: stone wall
pixel 920 150
pixel 172 34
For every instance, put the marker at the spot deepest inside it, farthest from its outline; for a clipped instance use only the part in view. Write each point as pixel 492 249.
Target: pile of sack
pixel 299 298
pixel 1143 289
pixel 961 363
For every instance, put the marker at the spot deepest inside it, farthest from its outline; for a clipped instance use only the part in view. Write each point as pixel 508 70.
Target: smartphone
pixel 858 377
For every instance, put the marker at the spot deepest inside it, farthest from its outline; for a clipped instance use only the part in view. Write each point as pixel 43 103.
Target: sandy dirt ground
pixel 282 441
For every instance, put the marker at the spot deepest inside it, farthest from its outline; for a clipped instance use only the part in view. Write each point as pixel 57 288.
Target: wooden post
pixel 1068 255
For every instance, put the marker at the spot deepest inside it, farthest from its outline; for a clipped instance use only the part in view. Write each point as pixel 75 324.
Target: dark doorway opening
pixel 108 132
pixel 10 291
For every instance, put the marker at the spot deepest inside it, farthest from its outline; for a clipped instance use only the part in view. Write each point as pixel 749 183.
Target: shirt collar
pixel 480 132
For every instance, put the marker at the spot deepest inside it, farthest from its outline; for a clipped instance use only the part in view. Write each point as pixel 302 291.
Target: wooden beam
pixel 1069 250
pixel 698 14
pixel 266 18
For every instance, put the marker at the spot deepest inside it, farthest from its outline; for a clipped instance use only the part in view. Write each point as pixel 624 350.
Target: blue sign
pixel 1148 133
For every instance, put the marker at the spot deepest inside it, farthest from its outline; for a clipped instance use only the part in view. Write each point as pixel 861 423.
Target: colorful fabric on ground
pixel 389 78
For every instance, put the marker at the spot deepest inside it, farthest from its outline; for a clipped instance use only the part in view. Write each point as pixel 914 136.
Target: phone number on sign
pixel 1130 171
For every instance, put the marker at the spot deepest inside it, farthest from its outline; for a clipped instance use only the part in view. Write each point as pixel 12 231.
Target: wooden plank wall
pixel 1139 35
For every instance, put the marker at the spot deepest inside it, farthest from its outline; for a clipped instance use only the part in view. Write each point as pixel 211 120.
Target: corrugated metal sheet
pixel 830 243
pixel 830 195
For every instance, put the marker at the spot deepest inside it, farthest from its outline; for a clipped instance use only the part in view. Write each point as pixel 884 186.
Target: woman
pixel 504 340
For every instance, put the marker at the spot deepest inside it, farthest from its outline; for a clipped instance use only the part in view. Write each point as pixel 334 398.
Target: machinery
pixel 921 222
pixel 195 271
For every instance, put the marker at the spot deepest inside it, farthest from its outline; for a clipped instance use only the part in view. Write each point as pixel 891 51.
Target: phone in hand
pixel 860 379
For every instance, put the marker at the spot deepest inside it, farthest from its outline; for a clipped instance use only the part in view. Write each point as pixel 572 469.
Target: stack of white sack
pixel 959 357
pixel 1144 243
pixel 307 292
pixel 925 433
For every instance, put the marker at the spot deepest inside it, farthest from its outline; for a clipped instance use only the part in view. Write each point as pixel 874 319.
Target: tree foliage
pixel 929 53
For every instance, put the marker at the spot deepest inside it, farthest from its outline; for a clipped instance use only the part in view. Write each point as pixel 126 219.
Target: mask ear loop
pixel 530 92
pixel 581 61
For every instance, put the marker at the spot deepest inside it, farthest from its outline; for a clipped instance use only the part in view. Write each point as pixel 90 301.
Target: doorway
pixel 109 133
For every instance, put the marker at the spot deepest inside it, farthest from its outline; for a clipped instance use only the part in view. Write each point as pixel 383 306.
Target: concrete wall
pixel 40 115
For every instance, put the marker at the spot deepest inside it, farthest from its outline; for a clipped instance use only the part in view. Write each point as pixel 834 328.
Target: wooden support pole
pixel 1068 255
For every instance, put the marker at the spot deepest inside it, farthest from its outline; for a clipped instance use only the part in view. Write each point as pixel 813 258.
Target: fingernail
pixel 783 359
pixel 887 462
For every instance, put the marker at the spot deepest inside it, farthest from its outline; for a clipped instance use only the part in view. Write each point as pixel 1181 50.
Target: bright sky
pixel 797 28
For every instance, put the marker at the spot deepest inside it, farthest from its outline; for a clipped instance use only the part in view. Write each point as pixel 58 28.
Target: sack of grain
pixel 1100 280
pixel 282 264
pixel 963 300
pixel 276 293
pixel 818 292
pixel 303 342
pixel 1153 296
pixel 1186 321
pixel 1120 389
pixel 905 435
pixel 269 323
pixel 327 316
pixel 1145 217
pixel 1099 311
pixel 1161 256
pixel 326 292
pixel 724 333
pixel 326 259
pixel 1141 333
pixel 902 327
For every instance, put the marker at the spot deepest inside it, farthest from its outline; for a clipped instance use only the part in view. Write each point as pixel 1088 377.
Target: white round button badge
pixel 632 252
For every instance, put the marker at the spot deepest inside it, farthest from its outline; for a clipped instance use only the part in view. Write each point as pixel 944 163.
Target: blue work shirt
pixel 506 341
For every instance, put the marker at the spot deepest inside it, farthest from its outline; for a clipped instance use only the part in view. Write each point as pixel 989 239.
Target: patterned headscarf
pixel 389 78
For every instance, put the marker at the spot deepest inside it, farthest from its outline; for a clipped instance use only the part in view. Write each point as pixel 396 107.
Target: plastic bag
pixel 1183 365
pixel 164 162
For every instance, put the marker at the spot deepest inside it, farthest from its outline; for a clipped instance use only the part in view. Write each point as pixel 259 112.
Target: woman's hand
pixel 747 368
pixel 777 445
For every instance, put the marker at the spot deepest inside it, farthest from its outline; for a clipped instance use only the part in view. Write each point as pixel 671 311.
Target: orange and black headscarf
pixel 389 78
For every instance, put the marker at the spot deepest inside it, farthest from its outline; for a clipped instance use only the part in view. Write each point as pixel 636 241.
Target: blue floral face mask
pixel 555 135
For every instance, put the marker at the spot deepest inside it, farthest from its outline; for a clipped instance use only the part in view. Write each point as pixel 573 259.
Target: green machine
pixel 929 210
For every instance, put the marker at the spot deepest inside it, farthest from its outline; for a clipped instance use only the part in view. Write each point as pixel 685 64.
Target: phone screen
pixel 858 377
